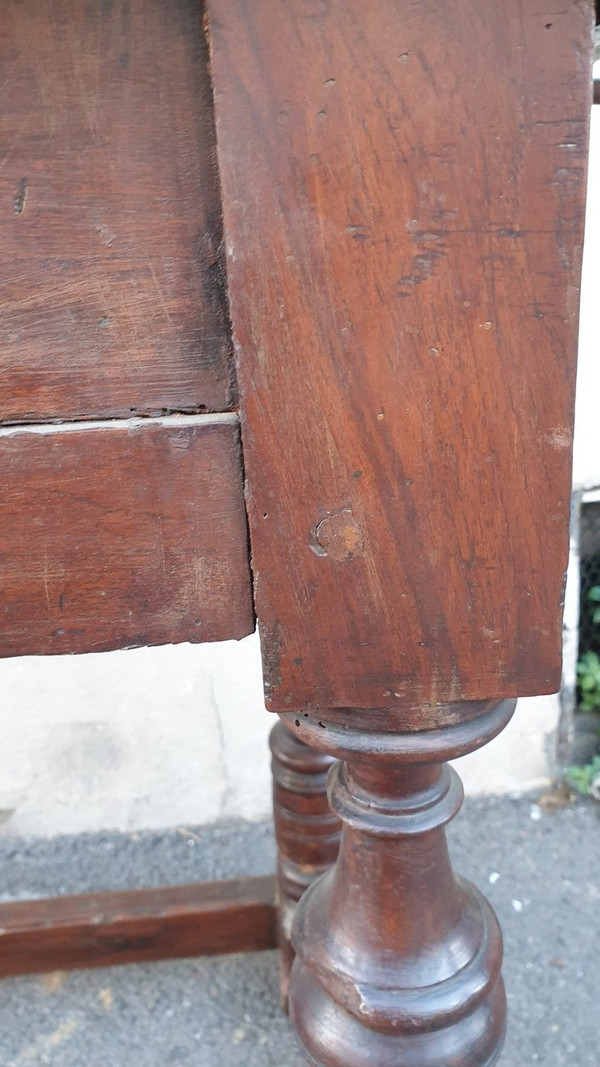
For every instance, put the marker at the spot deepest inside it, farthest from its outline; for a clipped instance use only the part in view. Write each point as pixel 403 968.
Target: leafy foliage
pixel 585 779
pixel 594 598
pixel 588 674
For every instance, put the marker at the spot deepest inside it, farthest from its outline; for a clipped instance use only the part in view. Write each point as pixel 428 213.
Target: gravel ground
pixel 539 870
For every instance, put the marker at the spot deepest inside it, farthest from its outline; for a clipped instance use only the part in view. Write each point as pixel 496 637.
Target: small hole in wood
pixel 548 25
pixel 297 722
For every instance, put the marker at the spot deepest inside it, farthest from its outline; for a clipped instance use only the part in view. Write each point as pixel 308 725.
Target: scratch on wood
pixel 271 651
pixel 431 245
pixel 46 587
pixel 559 437
pixel 21 197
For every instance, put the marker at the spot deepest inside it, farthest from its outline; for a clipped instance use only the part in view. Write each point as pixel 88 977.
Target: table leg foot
pixel 397 959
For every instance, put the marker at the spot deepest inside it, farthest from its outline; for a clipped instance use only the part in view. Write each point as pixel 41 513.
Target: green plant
pixel 594 598
pixel 586 779
pixel 588 675
pixel 588 667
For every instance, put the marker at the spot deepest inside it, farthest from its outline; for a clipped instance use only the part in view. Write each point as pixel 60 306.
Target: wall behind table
pixel 172 736
pixel 152 737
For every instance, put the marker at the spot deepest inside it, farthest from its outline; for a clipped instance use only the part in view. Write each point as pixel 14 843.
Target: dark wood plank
pixel 137 926
pixel 404 291
pixel 111 276
pixel 119 535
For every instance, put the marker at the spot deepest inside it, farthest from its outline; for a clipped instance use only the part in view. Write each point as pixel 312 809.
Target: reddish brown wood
pixel 307 831
pixel 113 299
pixel 120 536
pixel 403 200
pixel 137 926
pixel 403 193
pixel 398 962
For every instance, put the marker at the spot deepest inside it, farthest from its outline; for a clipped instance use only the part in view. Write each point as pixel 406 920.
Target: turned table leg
pixel 307 831
pixel 403 191
pixel 398 960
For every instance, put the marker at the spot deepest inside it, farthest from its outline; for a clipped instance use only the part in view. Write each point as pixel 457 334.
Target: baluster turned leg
pixel 307 831
pixel 398 961
pixel 403 192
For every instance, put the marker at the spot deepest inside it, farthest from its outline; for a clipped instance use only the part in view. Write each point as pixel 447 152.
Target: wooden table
pixel 307 271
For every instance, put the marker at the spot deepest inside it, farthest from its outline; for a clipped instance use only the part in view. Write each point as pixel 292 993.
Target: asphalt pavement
pixel 538 865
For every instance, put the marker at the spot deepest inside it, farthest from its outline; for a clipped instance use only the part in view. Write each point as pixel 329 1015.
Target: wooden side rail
pixel 122 533
pixel 137 926
pixel 113 302
pixel 121 501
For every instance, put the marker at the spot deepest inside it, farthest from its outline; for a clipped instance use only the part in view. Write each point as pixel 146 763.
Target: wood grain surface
pixel 137 925
pixel 403 190
pixel 119 536
pixel 306 831
pixel 111 281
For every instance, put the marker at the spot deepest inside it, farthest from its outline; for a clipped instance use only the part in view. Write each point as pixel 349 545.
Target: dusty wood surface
pixel 113 298
pixel 117 536
pixel 137 926
pixel 403 191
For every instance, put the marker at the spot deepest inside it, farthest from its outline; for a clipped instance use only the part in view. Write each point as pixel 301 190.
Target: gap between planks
pixel 136 423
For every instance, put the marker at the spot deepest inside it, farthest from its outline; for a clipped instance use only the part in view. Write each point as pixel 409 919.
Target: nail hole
pixel 297 722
